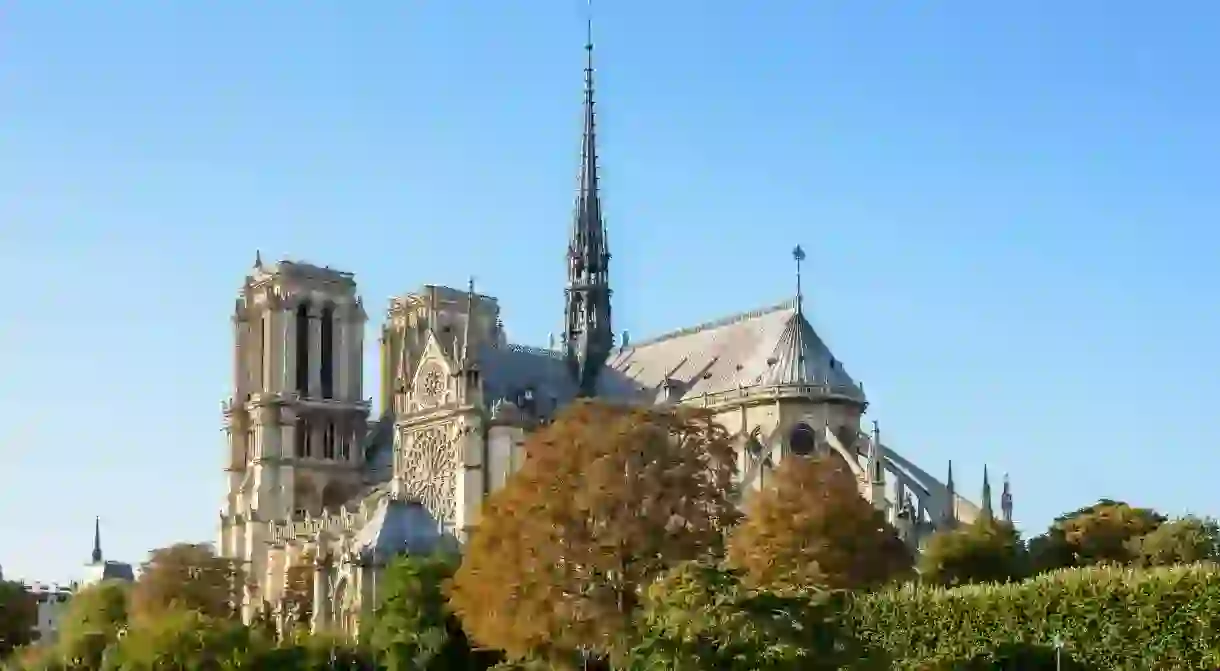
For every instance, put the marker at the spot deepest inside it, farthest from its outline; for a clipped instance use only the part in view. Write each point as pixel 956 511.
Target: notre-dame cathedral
pixel 313 477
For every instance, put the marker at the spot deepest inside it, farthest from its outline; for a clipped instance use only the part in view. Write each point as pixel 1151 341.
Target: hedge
pixel 1107 618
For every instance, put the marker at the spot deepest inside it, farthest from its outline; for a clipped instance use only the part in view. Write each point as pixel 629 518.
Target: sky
pixel 1009 211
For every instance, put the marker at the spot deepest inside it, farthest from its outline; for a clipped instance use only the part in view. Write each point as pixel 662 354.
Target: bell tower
pixel 296 416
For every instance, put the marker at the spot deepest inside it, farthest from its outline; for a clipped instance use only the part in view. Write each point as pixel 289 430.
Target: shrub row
pixel 1106 617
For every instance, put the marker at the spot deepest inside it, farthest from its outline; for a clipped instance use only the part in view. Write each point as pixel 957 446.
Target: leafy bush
pixel 1107 617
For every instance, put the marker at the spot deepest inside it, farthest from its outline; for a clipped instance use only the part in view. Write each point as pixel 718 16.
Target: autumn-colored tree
pixel 985 551
pixel 700 616
pixel 608 498
pixel 92 623
pixel 188 577
pixel 1182 541
pixel 413 628
pixel 18 615
pixel 814 528
pixel 1096 534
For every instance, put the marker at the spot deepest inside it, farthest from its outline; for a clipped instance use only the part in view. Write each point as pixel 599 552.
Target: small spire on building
pixel 951 503
pixel 467 350
pixel 1006 501
pixel 97 541
pixel 798 255
pixel 987 512
pixel 258 259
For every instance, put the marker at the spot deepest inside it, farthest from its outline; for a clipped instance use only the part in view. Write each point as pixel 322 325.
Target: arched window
pixel 803 440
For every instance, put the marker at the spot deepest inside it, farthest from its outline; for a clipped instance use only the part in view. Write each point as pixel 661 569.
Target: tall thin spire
pixel 97 541
pixel 588 334
pixel 1006 501
pixel 798 255
pixel 987 511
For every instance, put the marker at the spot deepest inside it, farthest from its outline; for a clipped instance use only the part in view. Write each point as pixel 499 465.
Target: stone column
pixel 339 320
pixel 289 359
pixel 315 350
pixel 321 591
pixel 239 381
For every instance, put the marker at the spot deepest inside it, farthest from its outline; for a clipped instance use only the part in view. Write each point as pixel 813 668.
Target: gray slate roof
pixel 397 527
pixel 774 345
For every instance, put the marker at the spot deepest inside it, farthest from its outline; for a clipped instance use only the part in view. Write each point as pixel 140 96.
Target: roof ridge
pixel 717 323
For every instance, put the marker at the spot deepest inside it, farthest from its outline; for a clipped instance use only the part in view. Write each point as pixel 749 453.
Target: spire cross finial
pixel 798 255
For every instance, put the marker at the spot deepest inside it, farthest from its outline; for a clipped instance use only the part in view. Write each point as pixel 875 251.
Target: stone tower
pixel 297 414
pixel 588 335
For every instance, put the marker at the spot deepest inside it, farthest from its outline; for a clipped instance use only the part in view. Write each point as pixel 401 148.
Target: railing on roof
pixel 343 522
pixel 777 391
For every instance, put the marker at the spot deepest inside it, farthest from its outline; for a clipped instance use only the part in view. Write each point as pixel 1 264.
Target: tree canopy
pixel 188 577
pixel 18 615
pixel 1181 541
pixel 92 622
pixel 700 616
pixel 1095 534
pixel 607 499
pixel 985 551
pixel 413 628
pixel 814 528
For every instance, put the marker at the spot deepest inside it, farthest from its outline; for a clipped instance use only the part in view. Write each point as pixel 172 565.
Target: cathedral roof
pixel 397 527
pixel 771 346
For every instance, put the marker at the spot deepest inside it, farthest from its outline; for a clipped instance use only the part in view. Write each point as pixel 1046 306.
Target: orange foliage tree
pixel 607 499
pixel 813 528
pixel 188 576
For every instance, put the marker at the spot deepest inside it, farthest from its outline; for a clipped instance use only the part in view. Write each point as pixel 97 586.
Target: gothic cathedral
pixel 314 479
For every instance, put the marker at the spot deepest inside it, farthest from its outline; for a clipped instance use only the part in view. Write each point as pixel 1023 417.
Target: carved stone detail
pixel 429 470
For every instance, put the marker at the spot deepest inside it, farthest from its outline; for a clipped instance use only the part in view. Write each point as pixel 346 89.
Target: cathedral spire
pixel 950 512
pixel 588 335
pixel 97 541
pixel 1006 501
pixel 987 511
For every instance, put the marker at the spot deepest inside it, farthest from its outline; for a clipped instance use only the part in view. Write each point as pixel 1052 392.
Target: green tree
pixel 1182 541
pixel 188 577
pixel 700 617
pixel 814 528
pixel 608 498
pixel 92 623
pixel 18 615
pixel 414 629
pixel 985 551
pixel 181 640
pixel 1099 533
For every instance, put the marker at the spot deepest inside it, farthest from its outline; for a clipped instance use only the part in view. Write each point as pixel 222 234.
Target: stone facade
pixel 315 483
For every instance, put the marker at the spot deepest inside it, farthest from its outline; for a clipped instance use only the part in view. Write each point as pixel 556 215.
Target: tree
pixel 181 639
pixel 18 615
pixel 985 551
pixel 607 499
pixel 92 623
pixel 814 528
pixel 1096 534
pixel 700 616
pixel 414 629
pixel 188 577
pixel 1181 541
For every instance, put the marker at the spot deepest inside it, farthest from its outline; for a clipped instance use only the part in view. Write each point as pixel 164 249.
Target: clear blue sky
pixel 1010 208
